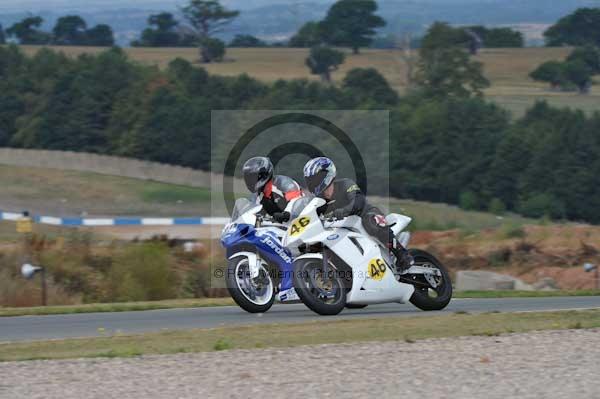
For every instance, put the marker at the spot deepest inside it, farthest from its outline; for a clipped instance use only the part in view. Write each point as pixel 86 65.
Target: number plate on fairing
pixel 376 269
pixel 298 225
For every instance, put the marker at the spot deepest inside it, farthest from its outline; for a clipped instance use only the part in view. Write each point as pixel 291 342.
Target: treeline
pixel 575 72
pixel 70 30
pixel 580 29
pixel 453 148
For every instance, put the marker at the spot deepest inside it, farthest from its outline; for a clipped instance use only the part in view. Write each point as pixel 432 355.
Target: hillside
pixel 507 69
pixel 69 193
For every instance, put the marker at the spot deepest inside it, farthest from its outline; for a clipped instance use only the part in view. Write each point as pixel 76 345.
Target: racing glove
pixel 281 217
pixel 340 213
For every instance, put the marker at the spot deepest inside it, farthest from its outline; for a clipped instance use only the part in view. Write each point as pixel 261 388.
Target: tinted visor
pixel 251 179
pixel 315 183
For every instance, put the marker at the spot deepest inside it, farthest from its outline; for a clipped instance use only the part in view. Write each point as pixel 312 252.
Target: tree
pixel 100 35
pixel 539 205
pixel 324 60
pixel 445 68
pixel 578 73
pixel 2 38
pixel 246 41
pixel 588 54
pixel 207 17
pixel 442 36
pixel 498 37
pixel 503 37
pixel 450 72
pixel 551 72
pixel 576 29
pixel 163 35
pixel 26 33
pixel 352 23
pixel 369 83
pixel 70 30
pixel 213 49
pixel 309 35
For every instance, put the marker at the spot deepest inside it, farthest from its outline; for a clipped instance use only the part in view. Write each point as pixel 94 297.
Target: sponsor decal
pixel 352 188
pixel 376 269
pixel 333 237
pixel 277 248
pixel 288 295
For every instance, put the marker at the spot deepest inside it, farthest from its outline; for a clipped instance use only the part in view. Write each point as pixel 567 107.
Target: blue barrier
pixel 118 221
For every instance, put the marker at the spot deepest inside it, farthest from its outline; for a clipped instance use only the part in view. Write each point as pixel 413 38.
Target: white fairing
pixel 397 222
pixel 348 240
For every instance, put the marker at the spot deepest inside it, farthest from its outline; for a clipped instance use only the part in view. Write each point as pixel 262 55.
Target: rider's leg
pixel 375 224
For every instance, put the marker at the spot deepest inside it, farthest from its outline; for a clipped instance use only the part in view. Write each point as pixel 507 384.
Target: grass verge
pixel 205 302
pixel 286 335
pixel 523 294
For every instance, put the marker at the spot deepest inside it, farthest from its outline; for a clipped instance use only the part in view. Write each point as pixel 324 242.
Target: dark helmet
pixel 257 172
pixel 318 174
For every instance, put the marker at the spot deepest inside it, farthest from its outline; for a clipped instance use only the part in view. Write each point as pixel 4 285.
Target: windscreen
pixel 241 206
pixel 299 205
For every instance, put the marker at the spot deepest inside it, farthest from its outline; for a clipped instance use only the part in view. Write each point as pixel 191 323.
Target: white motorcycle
pixel 337 264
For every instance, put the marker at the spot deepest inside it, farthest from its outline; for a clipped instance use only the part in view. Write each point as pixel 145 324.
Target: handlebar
pixel 329 217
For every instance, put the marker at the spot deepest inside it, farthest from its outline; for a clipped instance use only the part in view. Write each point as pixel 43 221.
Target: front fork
pixel 325 265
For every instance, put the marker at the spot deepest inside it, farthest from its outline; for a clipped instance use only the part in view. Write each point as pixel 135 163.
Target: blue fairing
pixel 266 243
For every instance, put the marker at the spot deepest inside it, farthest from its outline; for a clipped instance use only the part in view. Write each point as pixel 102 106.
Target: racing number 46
pixel 298 225
pixel 377 269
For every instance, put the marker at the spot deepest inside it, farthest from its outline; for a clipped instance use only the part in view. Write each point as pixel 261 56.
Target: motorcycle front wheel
pixel 325 296
pixel 254 295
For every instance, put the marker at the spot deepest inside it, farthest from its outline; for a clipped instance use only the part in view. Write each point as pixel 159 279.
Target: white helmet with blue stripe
pixel 319 174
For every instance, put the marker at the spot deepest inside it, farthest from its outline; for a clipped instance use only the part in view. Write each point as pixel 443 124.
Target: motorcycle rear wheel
pixel 425 296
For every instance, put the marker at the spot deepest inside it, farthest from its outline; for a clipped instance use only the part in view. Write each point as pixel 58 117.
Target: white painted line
pixel 157 222
pixel 98 222
pixel 215 220
pixel 11 216
pixel 51 220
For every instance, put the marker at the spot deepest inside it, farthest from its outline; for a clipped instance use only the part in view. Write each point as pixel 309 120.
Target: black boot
pixel 403 259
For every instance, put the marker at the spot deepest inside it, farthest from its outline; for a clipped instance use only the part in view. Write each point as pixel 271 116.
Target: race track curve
pixel 23 328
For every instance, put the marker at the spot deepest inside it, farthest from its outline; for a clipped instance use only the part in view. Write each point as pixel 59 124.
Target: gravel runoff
pixel 551 364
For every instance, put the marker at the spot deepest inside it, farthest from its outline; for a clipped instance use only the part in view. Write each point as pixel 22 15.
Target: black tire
pixel 355 306
pixel 421 297
pixel 308 294
pixel 236 293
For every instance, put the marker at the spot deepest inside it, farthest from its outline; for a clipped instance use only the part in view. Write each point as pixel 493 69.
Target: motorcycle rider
pixel 344 198
pixel 274 192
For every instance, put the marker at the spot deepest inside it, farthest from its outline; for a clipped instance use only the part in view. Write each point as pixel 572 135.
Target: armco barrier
pixel 119 221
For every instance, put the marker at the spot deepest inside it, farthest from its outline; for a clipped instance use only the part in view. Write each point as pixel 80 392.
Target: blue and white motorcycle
pixel 259 268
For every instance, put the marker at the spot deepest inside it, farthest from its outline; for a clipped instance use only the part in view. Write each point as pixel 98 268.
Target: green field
pixel 507 69
pixel 289 335
pixel 70 193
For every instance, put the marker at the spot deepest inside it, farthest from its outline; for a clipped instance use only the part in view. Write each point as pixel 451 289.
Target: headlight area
pixel 312 248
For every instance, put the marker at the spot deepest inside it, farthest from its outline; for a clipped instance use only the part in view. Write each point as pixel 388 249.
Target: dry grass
pixel 508 69
pixel 115 307
pixel 287 335
pixel 436 216
pixel 70 193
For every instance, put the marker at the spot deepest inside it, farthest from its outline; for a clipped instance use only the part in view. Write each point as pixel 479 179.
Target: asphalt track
pixel 24 328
